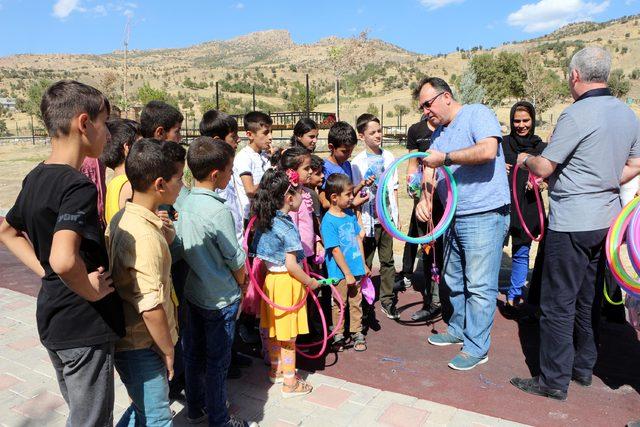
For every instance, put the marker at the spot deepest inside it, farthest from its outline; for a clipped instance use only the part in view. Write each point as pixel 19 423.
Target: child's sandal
pixel 359 343
pixel 300 388
pixel 276 378
pixel 338 343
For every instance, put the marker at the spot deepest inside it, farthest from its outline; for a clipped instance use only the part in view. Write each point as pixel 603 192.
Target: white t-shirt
pixel 231 200
pixel 247 162
pixel 365 165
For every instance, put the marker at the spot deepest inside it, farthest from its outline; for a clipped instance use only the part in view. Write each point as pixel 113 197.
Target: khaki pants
pixel 352 297
pixel 383 242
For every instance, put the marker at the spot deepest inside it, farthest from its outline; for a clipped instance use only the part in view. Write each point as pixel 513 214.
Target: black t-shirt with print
pixel 419 136
pixel 57 197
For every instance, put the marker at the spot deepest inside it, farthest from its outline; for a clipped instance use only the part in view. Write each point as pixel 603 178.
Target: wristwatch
pixel 447 160
pixel 524 162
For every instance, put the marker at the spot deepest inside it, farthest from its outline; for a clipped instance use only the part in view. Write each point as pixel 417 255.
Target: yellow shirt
pixel 140 265
pixel 112 201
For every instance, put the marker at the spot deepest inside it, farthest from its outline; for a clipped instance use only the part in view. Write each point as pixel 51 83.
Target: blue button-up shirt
pixel 210 247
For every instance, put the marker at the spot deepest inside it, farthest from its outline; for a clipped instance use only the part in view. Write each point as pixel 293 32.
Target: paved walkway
pixel 29 393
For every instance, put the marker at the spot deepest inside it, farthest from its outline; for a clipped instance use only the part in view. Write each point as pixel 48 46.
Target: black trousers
pixel 573 268
pixel 431 292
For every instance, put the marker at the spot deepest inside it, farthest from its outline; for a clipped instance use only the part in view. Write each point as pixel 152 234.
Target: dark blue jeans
pixel 207 344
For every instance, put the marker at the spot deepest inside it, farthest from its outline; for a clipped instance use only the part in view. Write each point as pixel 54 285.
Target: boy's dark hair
pixel 64 100
pixel 363 120
pixel 207 154
pixel 150 159
pixel 303 126
pixel 256 120
pixel 316 163
pixel 292 157
pixel 158 114
pixel 436 82
pixel 336 184
pixel 274 185
pixel 215 123
pixel 123 134
pixel 341 134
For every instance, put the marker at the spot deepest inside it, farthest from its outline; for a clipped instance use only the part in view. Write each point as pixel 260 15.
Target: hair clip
pixel 294 178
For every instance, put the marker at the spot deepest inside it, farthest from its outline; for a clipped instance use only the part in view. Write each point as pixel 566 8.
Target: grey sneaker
pixel 465 362
pixel 237 422
pixel 442 340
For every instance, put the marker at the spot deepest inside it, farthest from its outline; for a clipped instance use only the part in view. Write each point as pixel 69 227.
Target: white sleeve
pixel 242 164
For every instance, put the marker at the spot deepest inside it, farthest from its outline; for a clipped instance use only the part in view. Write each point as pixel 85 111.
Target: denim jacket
pixel 272 245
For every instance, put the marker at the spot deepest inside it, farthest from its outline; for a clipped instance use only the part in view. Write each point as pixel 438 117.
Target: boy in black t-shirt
pixel 79 316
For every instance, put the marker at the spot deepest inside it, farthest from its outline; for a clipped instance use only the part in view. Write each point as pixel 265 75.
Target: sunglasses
pixel 428 103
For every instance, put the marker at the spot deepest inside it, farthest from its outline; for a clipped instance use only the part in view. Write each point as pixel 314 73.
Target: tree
pixel 501 76
pixel 31 105
pixel 542 86
pixel 618 83
pixel 109 86
pixel 400 110
pixel 373 109
pixel 298 98
pixel 469 91
pixel 147 93
pixel 3 128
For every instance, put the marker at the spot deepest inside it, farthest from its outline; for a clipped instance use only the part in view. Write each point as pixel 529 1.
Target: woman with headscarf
pixel 521 139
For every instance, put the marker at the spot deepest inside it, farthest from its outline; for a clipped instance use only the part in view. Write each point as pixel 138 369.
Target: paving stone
pixel 7 380
pixel 24 344
pixel 398 415
pixel 362 393
pixel 277 414
pixel 328 396
pixel 317 379
pixel 338 417
pixel 440 415
pixel 367 417
pixel 468 418
pixel 384 399
pixel 40 406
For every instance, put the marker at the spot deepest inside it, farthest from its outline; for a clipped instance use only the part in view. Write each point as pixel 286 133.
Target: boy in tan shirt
pixel 138 244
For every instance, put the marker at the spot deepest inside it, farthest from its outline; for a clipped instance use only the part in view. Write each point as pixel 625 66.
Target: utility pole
pixel 125 102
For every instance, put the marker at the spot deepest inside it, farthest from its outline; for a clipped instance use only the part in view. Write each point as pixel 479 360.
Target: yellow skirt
pixel 286 291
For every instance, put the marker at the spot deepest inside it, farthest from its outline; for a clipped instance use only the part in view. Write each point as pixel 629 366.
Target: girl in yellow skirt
pixel 277 243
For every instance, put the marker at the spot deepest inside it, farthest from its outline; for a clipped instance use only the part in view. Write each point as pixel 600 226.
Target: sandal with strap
pixel 300 388
pixel 359 343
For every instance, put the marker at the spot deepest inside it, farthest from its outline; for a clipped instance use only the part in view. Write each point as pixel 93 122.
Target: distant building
pixel 8 103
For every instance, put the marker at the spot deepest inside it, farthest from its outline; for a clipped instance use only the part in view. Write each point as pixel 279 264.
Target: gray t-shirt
pixel 592 141
pixel 484 187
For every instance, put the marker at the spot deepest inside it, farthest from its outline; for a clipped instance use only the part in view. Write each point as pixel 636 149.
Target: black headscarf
pixel 512 145
pixel 516 144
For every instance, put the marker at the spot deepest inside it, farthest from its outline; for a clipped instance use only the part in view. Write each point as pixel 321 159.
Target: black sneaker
pixel 582 381
pixel 427 314
pixel 237 422
pixel 390 311
pixel 532 386
pixel 199 419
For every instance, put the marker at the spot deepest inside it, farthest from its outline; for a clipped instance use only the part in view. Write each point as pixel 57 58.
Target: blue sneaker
pixel 465 362
pixel 442 340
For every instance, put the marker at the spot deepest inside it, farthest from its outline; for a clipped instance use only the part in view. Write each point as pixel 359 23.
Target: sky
pixel 423 26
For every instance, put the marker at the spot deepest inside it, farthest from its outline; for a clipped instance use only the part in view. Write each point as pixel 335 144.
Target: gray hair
pixel 593 63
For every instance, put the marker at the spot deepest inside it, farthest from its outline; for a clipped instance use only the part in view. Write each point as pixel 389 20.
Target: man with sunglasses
pixel 467 139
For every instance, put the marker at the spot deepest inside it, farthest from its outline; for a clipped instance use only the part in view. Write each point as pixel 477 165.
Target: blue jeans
pixel 144 374
pixel 472 256
pixel 519 270
pixel 207 345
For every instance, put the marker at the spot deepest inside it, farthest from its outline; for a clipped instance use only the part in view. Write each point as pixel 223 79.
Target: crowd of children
pixel 166 328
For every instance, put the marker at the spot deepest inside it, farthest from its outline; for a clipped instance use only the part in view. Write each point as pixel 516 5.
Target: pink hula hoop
pixel 535 187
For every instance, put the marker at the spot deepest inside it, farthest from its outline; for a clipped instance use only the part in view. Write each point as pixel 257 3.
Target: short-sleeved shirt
pixel 272 245
pixel 141 271
pixel 419 136
pixel 112 201
pixel 57 197
pixel 342 232
pixel 330 168
pixel 247 162
pixel 210 247
pixel 364 166
pixel 484 187
pixel 230 196
pixel 591 143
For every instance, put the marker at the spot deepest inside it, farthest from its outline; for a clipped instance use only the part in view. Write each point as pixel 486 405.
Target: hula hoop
pixel 252 270
pixel 633 240
pixel 254 281
pixel 612 249
pixel 535 188
pixel 383 212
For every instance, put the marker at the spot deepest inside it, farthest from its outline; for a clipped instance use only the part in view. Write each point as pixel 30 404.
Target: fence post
pixel 308 102
pixel 217 98
pixel 33 135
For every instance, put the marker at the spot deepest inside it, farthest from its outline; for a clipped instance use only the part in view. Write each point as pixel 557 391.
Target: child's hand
pixel 358 200
pixel 367 271
pixel 313 284
pixel 367 182
pixel 168 363
pixel 168 229
pixel 351 281
pixel 101 282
